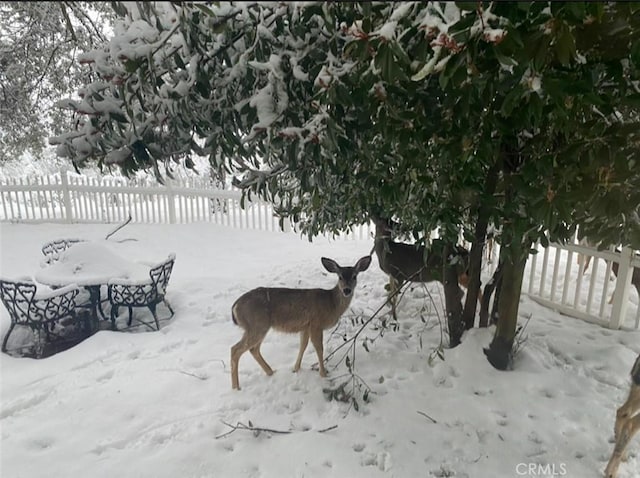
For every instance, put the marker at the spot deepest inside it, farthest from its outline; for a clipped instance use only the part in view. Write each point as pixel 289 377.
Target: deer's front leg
pixel 316 340
pixel 304 340
pixel 626 433
pixel 628 409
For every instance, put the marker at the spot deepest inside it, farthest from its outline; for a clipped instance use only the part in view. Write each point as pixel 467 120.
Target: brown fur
pixel 627 422
pixel 305 311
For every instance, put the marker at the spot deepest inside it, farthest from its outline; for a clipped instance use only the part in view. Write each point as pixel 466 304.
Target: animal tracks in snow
pixel 24 403
pixel 106 376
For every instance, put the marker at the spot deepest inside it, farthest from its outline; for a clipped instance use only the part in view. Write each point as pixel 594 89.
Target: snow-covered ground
pixel 154 404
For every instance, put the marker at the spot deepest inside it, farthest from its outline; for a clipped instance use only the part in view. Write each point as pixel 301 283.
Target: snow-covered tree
pixel 38 45
pixel 437 114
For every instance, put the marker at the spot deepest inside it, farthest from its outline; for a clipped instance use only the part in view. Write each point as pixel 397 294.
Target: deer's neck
pixel 382 239
pixel 340 301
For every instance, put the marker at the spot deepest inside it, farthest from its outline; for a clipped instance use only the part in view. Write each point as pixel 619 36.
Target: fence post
pixel 623 286
pixel 287 226
pixel 171 199
pixel 66 196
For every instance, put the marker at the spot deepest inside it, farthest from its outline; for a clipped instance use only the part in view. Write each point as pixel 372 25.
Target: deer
pixel 489 242
pixel 615 267
pixel 635 277
pixel 407 262
pixel 627 422
pixel 585 257
pixel 305 311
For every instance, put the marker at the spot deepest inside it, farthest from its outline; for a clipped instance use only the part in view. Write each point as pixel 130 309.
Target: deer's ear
pixel 330 264
pixel 363 264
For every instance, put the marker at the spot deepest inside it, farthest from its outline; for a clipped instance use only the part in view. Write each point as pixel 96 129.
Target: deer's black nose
pixel 347 291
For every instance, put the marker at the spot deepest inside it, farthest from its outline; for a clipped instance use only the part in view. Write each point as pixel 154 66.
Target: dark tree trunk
pixel 493 318
pixel 453 298
pixel 492 285
pixel 499 351
pixel 477 249
pixel 475 267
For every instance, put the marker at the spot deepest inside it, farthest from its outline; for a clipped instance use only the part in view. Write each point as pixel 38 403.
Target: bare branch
pixel 257 430
pixel 67 21
pixel 118 228
pixel 426 416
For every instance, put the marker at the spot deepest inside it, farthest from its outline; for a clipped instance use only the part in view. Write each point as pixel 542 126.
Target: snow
pixel 152 404
pixel 387 31
pixel 89 263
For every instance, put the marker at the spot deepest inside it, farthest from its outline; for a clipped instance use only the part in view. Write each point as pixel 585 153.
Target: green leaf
pixel 635 53
pixel 119 117
pixel 565 46
pixel 131 66
pixel 467 6
pixel 544 241
pixel 505 60
pixel 510 102
pixel 384 61
pixel 540 50
pixel 399 53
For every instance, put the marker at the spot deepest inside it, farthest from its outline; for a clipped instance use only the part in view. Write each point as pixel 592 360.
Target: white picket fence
pixel 71 198
pixel 556 278
pixel 553 277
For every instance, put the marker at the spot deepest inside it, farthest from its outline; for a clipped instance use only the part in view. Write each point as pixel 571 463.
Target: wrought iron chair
pixel 38 311
pixel 52 250
pixel 148 293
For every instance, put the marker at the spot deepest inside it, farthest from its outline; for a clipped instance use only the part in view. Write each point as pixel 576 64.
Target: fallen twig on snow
pixel 258 430
pixel 199 377
pixel 426 416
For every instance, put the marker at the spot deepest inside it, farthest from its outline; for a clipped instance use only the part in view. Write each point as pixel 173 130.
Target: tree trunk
pixel 493 285
pixel 493 318
pixel 475 268
pixel 477 248
pixel 499 351
pixel 453 298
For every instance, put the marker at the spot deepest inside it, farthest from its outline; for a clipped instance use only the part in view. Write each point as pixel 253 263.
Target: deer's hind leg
pixel 392 295
pixel 236 352
pixel 255 351
pixel 252 343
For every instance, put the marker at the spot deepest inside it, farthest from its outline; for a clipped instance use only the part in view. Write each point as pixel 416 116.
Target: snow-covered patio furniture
pixel 41 311
pixel 91 265
pixel 52 250
pixel 149 293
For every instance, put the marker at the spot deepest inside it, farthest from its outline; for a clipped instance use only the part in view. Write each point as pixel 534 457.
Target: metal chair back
pixel 52 250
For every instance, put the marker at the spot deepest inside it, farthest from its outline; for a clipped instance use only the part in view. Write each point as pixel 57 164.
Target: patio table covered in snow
pixel 90 265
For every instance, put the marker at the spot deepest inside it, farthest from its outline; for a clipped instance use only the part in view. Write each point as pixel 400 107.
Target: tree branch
pixel 67 21
pixel 118 228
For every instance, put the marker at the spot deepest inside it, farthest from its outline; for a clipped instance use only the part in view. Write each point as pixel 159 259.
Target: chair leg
pixel 152 308
pixel 6 337
pixel 168 307
pixel 114 314
pixel 130 316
